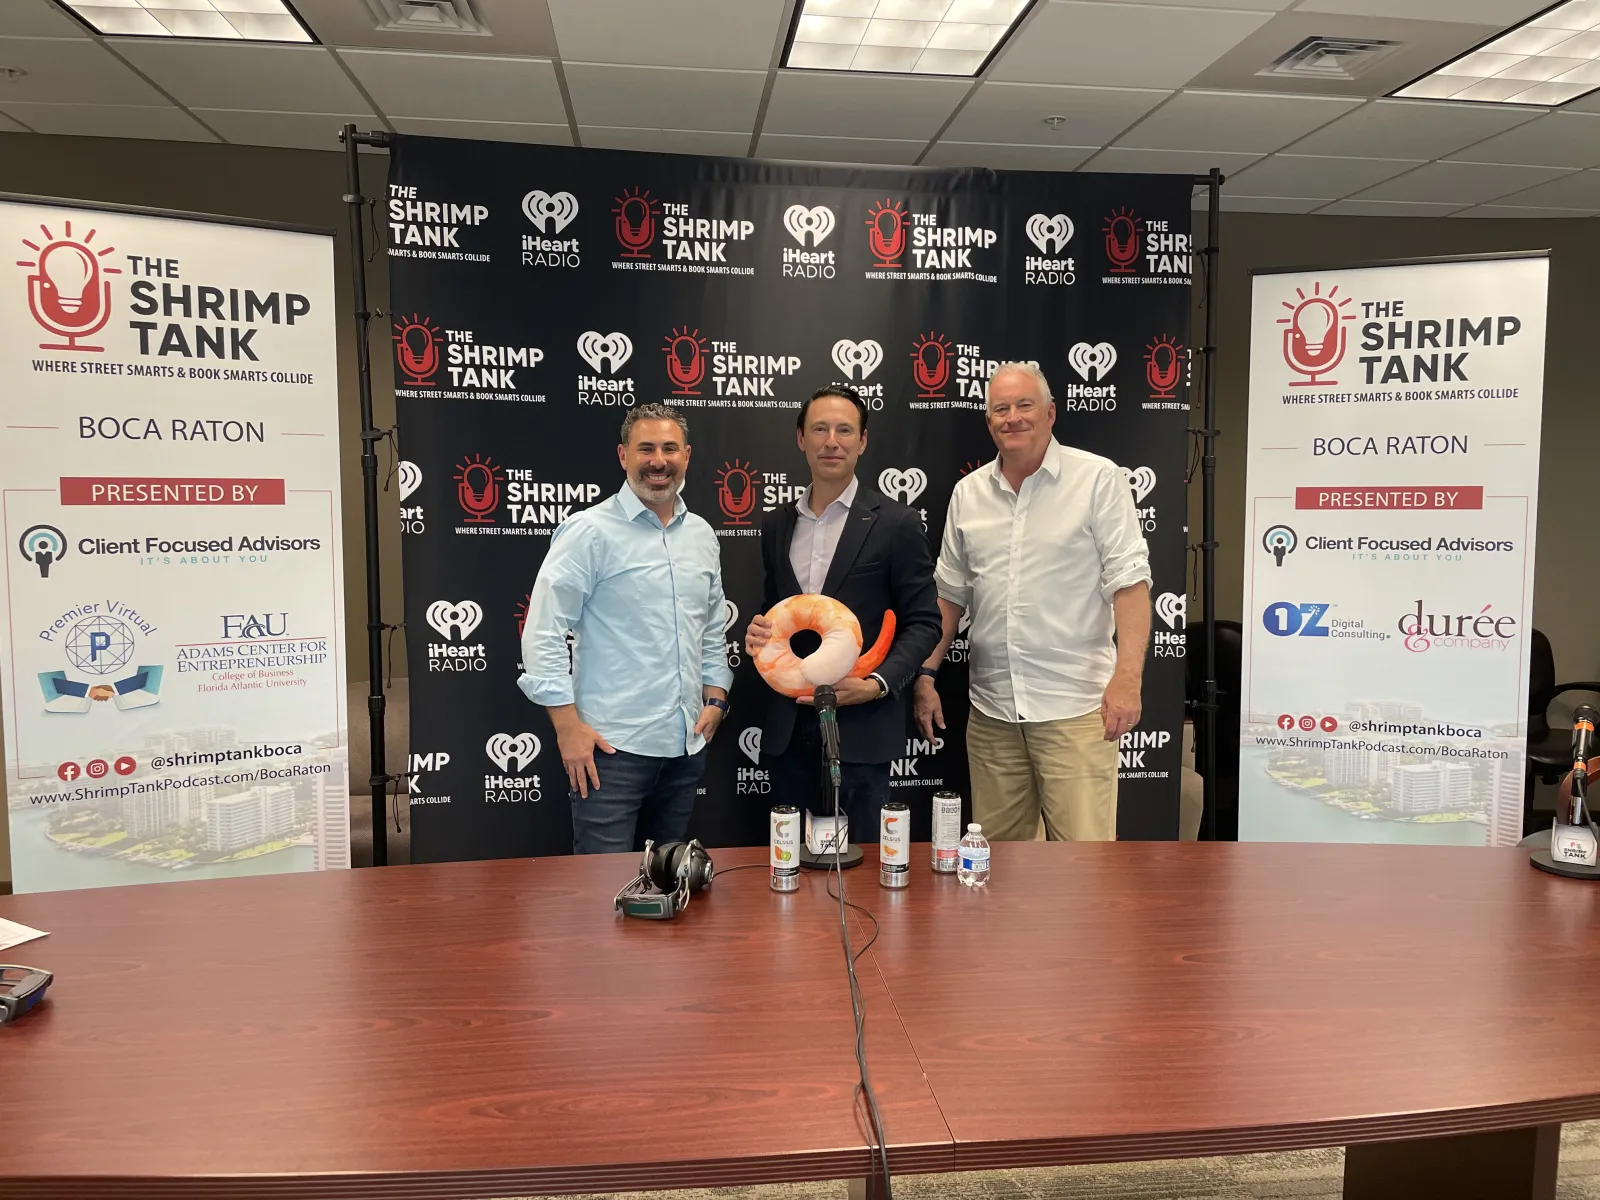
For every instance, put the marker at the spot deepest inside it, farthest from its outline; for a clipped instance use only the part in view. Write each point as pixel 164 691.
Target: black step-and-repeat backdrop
pixel 538 292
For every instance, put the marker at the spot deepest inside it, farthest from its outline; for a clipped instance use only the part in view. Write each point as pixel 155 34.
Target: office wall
pixel 304 187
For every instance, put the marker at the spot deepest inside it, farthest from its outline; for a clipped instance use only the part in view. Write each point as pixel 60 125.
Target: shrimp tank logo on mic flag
pixel 67 293
pixel 1315 338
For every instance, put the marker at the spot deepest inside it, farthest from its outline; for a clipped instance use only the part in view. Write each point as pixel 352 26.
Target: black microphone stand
pixel 827 705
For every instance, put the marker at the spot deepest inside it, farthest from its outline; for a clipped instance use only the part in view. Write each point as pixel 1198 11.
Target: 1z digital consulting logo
pixel 550 213
pixel 513 754
pixel 68 293
pixel 810 227
pixel 606 353
pixel 1315 338
pixel 1173 609
pixel 454 621
pixel 1050 234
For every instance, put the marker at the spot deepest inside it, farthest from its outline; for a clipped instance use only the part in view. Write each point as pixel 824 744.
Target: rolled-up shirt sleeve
pixel 1124 554
pixel 714 670
pixel 952 576
pixel 565 581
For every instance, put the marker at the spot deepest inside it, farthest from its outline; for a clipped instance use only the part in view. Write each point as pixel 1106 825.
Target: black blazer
pixel 882 562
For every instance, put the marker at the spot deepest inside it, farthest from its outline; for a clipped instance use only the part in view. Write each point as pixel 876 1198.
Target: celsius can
pixel 894 845
pixel 946 831
pixel 785 849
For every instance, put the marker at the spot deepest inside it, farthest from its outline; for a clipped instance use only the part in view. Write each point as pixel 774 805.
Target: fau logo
pixel 636 215
pixel 930 365
pixel 67 293
pixel 416 350
pixel 1124 236
pixel 686 360
pixel 479 483
pixel 886 237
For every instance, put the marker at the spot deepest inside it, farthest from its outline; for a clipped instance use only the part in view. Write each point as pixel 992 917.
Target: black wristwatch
pixel 717 702
pixel 930 672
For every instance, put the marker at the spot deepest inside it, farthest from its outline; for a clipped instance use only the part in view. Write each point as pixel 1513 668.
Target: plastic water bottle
pixel 974 865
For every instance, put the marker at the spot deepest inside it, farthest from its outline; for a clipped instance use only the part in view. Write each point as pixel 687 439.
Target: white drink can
pixel 894 845
pixel 785 846
pixel 946 831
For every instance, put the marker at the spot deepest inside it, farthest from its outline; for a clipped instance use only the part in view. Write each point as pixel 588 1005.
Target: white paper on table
pixel 12 934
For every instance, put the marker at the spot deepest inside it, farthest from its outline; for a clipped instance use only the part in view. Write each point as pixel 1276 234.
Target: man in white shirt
pixel 1043 546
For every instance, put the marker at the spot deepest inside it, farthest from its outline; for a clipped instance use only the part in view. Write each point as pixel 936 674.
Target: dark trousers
pixel 798 778
pixel 639 797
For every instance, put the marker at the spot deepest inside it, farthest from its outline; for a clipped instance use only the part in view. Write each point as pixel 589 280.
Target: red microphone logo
pixel 1314 342
pixel 736 491
pixel 887 236
pixel 1124 233
pixel 930 364
pixel 522 612
pixel 1164 359
pixel 67 293
pixel 636 222
pixel 478 483
pixel 686 361
pixel 416 349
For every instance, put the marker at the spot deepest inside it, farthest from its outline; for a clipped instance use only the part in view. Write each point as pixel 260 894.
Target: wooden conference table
pixel 493 1029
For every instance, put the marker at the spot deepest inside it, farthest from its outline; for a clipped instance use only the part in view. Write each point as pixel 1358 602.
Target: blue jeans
pixel 639 797
pixel 797 780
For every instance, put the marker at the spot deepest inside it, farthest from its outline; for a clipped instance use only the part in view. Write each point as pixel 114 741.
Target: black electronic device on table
pixel 20 989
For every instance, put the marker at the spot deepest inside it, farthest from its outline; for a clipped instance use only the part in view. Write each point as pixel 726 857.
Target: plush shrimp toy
pixel 838 657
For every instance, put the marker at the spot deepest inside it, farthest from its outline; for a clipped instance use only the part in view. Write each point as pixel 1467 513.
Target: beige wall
pixel 304 187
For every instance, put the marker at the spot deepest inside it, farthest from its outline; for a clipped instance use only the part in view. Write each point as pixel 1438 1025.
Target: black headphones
pixel 668 875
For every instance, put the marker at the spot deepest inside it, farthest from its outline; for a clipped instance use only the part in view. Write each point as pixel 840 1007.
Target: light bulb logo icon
pixel 886 234
pixel 636 223
pixel 1314 337
pixel 1164 363
pixel 1124 232
pixel 930 365
pixel 478 482
pixel 416 349
pixel 68 293
pixel 686 360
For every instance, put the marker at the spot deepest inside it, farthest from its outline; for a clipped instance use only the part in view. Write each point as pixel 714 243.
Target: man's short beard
pixel 642 490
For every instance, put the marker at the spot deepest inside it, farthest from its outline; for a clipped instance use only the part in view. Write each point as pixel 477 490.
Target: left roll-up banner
pixel 172 633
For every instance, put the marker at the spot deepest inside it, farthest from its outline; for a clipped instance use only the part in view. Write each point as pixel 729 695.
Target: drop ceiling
pixel 1090 85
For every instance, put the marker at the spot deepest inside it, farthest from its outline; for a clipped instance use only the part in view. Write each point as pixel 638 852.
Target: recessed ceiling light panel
pixel 1546 61
pixel 901 37
pixel 205 20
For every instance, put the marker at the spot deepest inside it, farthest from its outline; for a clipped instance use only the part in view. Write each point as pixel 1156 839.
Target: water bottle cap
pixel 974 828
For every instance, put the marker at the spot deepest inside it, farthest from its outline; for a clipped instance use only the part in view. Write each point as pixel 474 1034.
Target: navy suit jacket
pixel 882 563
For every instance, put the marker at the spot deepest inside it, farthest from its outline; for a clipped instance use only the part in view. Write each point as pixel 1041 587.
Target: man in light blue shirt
pixel 638 580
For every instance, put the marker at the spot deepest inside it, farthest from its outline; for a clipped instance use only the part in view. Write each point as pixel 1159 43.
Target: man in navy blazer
pixel 843 540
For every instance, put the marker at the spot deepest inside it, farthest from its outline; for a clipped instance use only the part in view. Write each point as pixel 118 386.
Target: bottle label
pixel 974 860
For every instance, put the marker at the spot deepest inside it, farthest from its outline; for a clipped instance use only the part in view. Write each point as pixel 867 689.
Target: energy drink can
pixel 894 845
pixel 785 849
pixel 946 831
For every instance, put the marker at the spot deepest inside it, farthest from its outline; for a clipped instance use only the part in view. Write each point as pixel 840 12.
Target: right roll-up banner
pixel 1390 508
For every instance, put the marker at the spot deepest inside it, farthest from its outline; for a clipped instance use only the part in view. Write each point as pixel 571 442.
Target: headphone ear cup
pixel 663 865
pixel 699 867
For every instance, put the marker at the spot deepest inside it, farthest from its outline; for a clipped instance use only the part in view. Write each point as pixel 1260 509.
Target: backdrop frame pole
pixel 1207 712
pixel 378 780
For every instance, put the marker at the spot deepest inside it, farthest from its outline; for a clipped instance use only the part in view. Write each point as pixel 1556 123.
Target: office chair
pixel 1549 744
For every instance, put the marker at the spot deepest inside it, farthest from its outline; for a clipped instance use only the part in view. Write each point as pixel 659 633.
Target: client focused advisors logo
pixel 1050 234
pixel 636 215
pixel 42 545
pixel 479 483
pixel 886 234
pixel 100 642
pixel 738 492
pixel 454 621
pixel 416 350
pixel 513 754
pixel 686 360
pixel 68 293
pixel 1279 541
pixel 1315 339
pixel 1482 630
pixel 810 227
pixel 606 353
pixel 550 213
pixel 1171 642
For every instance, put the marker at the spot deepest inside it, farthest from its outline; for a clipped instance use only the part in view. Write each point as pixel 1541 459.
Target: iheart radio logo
pixel 1173 608
pixel 67 292
pixel 886 238
pixel 410 479
pixel 730 614
pixel 1050 234
pixel 750 743
pixel 416 349
pixel 904 486
pixel 460 616
pixel 1142 480
pixel 546 210
pixel 864 355
pixel 512 753
pixel 598 349
pixel 1092 362
pixel 1314 342
pixel 801 222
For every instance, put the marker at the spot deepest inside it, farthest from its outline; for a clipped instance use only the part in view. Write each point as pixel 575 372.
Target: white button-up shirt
pixel 816 538
pixel 1036 569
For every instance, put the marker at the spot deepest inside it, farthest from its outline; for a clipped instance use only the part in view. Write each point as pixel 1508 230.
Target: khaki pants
pixel 1062 770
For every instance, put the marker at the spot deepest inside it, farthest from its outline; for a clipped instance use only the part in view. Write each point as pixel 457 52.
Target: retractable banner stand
pixel 1389 518
pixel 171 646
pixel 540 292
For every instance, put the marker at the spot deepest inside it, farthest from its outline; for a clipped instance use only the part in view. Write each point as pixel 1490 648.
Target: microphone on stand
pixel 1574 849
pixel 823 852
pixel 827 702
pixel 1584 720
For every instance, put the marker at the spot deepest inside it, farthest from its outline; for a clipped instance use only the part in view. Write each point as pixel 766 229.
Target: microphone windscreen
pixel 825 698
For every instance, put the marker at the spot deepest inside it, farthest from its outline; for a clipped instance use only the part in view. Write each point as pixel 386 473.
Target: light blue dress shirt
pixel 646 605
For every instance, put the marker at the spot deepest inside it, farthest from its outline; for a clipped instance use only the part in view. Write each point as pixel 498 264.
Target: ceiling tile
pixel 296 130
pixel 1556 140
pixel 684 33
pixel 486 131
pixel 1411 129
pixel 1014 114
pixel 1180 162
pixel 871 106
pixel 515 27
pixel 111 120
pixel 1507 210
pixel 1277 204
pixel 459 87
pixel 70 71
pixel 667 141
pixel 7 125
pixel 239 76
pixel 839 149
pixel 1247 122
pixel 1007 158
pixel 1122 45
pixel 1460 183
pixel 1481 12
pixel 1385 208
pixel 1258 5
pixel 675 97
pixel 38 18
pixel 1305 175
pixel 1581 189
